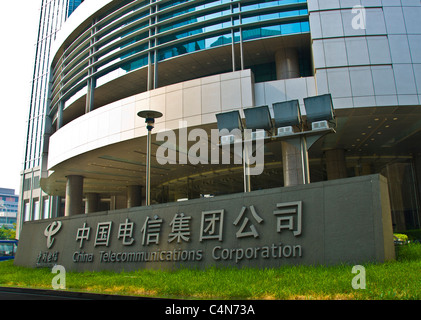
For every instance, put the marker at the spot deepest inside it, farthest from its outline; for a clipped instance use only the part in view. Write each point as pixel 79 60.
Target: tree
pixel 7 233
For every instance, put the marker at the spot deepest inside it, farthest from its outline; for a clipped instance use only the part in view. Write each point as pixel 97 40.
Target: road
pixel 36 294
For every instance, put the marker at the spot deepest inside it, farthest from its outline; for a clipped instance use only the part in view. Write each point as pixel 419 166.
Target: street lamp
pixel 150 116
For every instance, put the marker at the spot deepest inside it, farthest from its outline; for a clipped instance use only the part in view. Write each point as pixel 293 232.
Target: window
pixel 73 4
pixel 26 213
pixel 45 208
pixel 35 211
pixel 7 249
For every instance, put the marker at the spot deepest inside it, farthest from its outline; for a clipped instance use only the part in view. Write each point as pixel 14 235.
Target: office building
pixel 34 203
pixel 8 207
pixel 191 60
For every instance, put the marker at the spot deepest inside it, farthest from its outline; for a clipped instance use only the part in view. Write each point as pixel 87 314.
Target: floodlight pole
pixel 303 141
pixel 304 159
pixel 246 168
pixel 150 117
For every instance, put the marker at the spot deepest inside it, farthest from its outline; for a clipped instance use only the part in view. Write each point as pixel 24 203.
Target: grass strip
pixel 400 279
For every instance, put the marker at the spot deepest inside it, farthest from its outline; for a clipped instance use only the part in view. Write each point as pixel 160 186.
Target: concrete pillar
pixel 119 202
pixel 417 173
pixel 395 174
pixel 364 169
pixel 92 203
pixel 91 84
pixel 292 165
pixel 59 122
pixel 287 64
pixel 335 164
pixel 134 196
pixel 74 196
pixel 165 194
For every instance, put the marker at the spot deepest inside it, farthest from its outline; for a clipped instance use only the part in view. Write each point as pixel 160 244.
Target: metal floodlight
pixel 229 120
pixel 319 108
pixel 258 118
pixel 287 113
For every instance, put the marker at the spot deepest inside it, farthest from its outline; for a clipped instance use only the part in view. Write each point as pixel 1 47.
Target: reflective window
pixel 268 4
pixel 46 208
pixel 126 41
pixel 52 15
pixel 195 45
pixel 73 4
pixel 193 7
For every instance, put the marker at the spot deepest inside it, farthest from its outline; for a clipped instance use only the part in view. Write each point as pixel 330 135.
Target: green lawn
pixel 400 279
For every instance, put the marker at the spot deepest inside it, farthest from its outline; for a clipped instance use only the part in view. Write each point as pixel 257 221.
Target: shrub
pixel 411 251
pixel 414 234
pixel 400 238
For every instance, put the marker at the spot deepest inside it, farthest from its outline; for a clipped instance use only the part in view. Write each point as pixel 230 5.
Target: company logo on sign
pixel 51 230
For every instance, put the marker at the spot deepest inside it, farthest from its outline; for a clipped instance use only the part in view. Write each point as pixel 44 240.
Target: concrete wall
pixel 195 102
pixel 378 65
pixel 341 221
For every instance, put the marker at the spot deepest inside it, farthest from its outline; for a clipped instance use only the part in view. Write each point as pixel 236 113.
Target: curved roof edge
pixel 85 11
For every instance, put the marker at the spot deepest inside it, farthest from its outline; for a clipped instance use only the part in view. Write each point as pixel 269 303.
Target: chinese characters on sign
pixel 253 232
pixel 83 234
pixel 291 213
pixel 103 234
pixel 125 231
pixel 212 225
pixel 287 217
pixel 151 230
pixel 180 228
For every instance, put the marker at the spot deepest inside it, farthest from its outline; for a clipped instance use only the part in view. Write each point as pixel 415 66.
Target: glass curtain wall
pixel 136 34
pixel 52 15
pixel 72 5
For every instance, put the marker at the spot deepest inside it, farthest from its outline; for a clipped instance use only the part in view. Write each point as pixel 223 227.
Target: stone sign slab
pixel 333 222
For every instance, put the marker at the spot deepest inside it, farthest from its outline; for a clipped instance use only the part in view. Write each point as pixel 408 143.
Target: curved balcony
pixel 119 47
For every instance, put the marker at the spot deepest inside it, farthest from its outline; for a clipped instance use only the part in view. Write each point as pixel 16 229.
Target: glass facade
pixel 53 13
pixel 137 34
pixel 52 16
pixel 72 5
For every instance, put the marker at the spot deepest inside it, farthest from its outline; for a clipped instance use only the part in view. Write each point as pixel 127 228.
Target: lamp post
pixel 150 117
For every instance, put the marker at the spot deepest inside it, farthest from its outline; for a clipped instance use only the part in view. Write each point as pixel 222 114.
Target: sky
pixel 18 34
